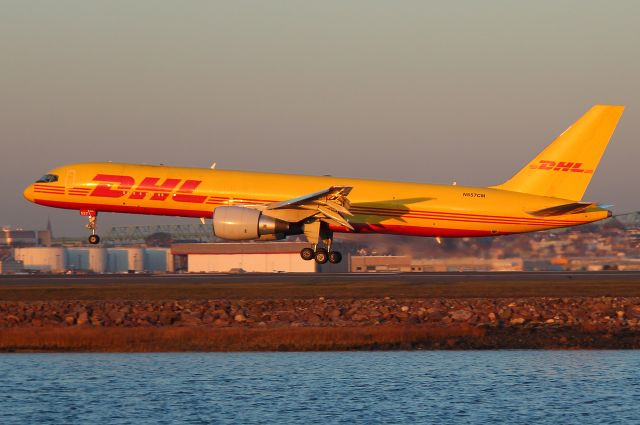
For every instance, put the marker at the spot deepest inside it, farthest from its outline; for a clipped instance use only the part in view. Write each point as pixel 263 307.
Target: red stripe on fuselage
pixel 128 209
pixel 445 217
pixel 54 192
pixel 395 229
pixel 387 211
pixel 48 186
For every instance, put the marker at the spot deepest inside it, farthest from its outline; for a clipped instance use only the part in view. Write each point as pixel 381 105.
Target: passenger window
pixel 48 178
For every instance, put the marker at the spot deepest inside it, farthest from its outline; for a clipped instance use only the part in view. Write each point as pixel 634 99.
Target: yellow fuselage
pixel 378 206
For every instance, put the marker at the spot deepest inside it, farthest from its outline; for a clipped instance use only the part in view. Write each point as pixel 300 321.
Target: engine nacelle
pixel 241 223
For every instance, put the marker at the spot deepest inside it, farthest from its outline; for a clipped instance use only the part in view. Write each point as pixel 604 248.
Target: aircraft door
pixel 70 179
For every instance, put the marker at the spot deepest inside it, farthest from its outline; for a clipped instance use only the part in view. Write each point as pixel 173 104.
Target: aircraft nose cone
pixel 28 193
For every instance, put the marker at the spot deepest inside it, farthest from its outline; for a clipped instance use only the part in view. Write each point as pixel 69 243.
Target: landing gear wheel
pixel 92 215
pixel 321 256
pixel 307 254
pixel 335 257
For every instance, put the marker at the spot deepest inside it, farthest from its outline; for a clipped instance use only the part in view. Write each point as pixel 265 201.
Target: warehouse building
pixel 242 257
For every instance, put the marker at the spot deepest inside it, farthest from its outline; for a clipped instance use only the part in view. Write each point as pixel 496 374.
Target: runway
pixel 304 285
pixel 315 278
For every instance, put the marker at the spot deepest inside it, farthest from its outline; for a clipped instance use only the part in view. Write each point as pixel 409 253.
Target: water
pixel 515 387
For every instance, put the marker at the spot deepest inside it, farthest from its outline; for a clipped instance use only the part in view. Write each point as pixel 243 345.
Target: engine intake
pixel 241 223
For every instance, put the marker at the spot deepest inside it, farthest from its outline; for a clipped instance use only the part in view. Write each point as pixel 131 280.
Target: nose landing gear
pixel 93 218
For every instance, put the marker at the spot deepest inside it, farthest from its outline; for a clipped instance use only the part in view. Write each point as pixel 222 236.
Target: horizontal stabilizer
pixel 572 208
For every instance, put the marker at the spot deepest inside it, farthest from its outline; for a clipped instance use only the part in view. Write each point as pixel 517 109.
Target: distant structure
pixel 49 226
pixel 10 238
pixel 630 221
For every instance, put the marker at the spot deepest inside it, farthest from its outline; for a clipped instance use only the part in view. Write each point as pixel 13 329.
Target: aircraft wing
pixel 330 205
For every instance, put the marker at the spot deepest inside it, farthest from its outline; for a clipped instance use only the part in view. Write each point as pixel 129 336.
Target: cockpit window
pixel 48 178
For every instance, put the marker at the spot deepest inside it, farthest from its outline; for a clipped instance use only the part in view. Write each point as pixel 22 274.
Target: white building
pixel 266 257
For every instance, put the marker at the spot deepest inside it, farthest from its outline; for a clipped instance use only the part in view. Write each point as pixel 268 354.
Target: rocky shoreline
pixel 321 324
pixel 610 312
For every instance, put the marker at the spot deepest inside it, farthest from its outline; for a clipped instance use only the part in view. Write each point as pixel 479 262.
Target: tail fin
pixel 564 169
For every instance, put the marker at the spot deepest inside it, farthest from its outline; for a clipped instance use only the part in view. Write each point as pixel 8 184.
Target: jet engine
pixel 242 223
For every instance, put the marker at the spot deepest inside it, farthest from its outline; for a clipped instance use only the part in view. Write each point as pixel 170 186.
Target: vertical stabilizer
pixel 564 169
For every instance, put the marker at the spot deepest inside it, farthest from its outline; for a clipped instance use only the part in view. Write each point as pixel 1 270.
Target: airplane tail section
pixel 565 167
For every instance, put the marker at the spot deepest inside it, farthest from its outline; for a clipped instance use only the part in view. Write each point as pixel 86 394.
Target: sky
pixel 420 91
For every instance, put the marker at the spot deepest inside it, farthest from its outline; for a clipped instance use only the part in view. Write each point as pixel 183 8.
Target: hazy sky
pixel 401 90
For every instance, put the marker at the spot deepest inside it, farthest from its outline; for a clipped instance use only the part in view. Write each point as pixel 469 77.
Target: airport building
pixel 242 257
pixel 390 263
pixel 380 263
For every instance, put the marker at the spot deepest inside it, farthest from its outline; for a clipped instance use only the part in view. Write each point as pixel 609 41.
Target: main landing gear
pixel 321 255
pixel 93 218
pixel 315 232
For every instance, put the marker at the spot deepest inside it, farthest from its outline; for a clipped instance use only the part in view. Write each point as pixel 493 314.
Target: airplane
pixel 546 194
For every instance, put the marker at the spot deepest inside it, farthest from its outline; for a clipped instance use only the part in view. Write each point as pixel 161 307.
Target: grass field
pixel 307 339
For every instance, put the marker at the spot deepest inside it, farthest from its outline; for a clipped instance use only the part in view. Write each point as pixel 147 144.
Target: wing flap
pixel 331 194
pixel 330 205
pixel 335 217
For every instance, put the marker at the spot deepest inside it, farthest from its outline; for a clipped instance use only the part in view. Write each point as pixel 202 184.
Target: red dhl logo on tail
pixel 574 167
pixel 114 186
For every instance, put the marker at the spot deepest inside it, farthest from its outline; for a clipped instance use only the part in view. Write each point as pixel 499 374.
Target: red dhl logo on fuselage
pixel 114 186
pixel 575 167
